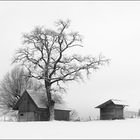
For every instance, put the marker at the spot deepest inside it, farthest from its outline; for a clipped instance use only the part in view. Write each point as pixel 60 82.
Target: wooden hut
pixel 32 106
pixel 111 109
pixel 61 112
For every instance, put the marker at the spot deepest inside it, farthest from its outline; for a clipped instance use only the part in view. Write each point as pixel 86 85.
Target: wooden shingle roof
pixel 39 98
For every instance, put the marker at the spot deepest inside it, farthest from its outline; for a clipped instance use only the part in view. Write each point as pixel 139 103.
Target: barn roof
pixel 114 101
pixel 39 98
pixel 62 106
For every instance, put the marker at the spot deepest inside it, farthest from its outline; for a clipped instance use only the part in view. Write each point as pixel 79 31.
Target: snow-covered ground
pixel 129 128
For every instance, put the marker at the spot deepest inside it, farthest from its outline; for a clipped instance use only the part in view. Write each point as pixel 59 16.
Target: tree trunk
pixel 50 101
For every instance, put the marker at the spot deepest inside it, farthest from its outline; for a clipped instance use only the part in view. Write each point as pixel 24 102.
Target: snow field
pixel 129 128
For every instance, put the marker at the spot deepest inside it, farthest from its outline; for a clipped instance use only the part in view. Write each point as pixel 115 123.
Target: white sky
pixel 110 28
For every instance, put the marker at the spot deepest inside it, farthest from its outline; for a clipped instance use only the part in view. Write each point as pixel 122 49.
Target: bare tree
pixel 12 86
pixel 44 55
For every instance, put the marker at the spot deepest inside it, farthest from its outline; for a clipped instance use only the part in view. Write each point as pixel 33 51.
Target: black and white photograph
pixel 69 69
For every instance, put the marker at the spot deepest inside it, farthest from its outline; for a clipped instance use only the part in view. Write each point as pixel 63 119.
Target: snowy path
pixel 95 129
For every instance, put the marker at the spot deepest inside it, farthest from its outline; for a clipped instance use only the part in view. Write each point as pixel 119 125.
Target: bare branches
pixel 11 87
pixel 71 68
pixel 62 25
pixel 45 55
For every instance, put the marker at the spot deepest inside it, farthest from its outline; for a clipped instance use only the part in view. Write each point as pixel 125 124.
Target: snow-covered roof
pixel 114 101
pixel 61 106
pixel 39 98
pixel 118 102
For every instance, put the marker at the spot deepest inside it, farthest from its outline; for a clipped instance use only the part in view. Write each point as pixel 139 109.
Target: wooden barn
pixel 32 106
pixel 61 112
pixel 111 109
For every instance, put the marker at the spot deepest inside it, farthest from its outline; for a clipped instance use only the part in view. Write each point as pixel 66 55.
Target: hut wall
pixel 107 114
pixel 43 115
pixel 38 115
pixel 26 116
pixel 119 112
pixel 111 112
pixel 61 115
